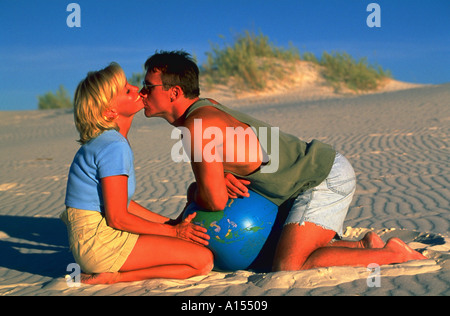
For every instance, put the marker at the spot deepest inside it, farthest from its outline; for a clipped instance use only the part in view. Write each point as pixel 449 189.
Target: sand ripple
pixel 397 142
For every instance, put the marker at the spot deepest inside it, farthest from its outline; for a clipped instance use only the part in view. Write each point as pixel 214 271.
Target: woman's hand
pixel 236 187
pixel 191 232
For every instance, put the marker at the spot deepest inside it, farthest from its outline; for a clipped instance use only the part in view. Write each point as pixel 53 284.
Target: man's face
pixel 156 99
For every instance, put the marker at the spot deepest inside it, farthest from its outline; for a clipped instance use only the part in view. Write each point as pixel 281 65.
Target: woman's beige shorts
pixel 96 246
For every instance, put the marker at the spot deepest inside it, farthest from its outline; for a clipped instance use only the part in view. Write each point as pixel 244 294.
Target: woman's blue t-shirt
pixel 107 155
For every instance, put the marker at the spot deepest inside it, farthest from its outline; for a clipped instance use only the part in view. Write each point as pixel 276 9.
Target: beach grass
pixel 248 62
pixel 341 69
pixel 252 60
pixel 59 100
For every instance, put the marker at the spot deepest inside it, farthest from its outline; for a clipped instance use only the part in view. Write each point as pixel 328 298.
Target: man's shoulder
pixel 208 115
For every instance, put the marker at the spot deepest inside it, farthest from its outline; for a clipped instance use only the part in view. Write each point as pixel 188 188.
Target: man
pixel 316 181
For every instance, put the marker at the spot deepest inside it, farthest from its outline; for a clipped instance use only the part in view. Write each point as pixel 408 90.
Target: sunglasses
pixel 148 86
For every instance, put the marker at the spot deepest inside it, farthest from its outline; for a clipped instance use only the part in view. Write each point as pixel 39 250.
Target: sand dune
pixel 397 142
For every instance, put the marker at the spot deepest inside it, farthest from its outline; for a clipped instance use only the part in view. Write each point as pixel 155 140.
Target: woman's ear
pixel 110 115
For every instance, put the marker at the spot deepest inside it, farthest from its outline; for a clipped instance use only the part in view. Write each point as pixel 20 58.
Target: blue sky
pixel 39 52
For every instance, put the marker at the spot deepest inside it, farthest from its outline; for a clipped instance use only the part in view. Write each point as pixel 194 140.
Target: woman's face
pixel 128 102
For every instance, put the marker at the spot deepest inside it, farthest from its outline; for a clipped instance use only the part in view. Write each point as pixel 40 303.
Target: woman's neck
pixel 124 124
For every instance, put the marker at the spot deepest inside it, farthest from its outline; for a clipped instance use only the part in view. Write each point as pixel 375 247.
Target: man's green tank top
pixel 294 165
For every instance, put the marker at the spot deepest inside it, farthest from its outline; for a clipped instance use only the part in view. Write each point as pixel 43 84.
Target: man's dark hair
pixel 177 69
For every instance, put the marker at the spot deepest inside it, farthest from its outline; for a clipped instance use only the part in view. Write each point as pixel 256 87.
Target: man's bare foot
pixel 100 278
pixel 404 252
pixel 372 241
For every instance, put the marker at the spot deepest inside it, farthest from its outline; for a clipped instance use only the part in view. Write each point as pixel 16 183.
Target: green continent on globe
pixel 222 230
pixel 208 219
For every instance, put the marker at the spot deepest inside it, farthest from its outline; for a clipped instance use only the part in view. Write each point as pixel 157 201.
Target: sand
pixel 397 141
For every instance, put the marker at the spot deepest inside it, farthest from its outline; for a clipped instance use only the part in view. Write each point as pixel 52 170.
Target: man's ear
pixel 175 93
pixel 110 114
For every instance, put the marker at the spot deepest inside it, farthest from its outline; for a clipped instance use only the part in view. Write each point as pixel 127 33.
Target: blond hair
pixel 93 96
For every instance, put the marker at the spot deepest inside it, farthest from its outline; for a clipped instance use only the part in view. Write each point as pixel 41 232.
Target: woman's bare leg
pixel 158 257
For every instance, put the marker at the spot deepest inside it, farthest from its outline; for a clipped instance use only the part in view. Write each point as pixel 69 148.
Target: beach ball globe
pixel 239 232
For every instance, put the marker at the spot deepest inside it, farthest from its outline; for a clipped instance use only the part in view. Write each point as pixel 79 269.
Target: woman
pixel 113 238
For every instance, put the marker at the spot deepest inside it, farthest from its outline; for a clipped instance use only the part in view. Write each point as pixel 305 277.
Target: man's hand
pixel 236 187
